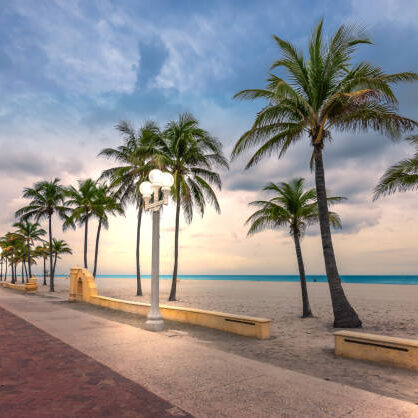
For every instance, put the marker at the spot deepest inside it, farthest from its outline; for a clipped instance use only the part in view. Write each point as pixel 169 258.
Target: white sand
pixel 304 345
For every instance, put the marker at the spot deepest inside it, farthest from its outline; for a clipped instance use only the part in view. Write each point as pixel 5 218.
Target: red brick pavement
pixel 40 376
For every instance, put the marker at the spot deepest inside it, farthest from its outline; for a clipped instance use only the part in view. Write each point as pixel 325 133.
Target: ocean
pixel 369 279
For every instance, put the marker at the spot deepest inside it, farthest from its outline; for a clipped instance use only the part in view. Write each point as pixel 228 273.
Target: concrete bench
pixel 235 324
pixel 30 287
pixel 398 352
pixel 83 289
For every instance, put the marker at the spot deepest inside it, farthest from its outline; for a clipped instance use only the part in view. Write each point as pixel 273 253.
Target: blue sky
pixel 69 70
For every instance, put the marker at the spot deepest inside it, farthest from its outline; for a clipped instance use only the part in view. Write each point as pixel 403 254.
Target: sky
pixel 71 69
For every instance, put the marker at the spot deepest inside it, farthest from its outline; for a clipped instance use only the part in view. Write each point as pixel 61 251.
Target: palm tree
pixel 401 177
pixel 59 247
pixel 46 199
pixel 81 201
pixel 324 92
pixel 29 232
pixel 190 153
pixel 295 208
pixel 43 251
pixel 106 203
pixel 134 158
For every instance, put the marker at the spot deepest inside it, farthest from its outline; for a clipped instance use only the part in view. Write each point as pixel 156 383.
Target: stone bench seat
pixel 30 287
pixel 398 352
pixel 83 289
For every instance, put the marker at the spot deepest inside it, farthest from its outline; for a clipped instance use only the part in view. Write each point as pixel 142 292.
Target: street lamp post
pixel 163 181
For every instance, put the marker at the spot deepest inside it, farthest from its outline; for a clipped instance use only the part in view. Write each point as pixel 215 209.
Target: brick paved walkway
pixel 40 376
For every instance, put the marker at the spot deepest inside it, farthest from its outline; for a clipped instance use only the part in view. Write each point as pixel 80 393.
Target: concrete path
pixel 40 376
pixel 202 381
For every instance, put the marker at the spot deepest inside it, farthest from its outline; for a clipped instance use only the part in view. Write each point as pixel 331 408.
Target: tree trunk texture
pixel 305 299
pixel 44 271
pixel 23 273
pixel 86 231
pixel 96 250
pixel 29 267
pixel 344 314
pixel 51 265
pixel 173 290
pixel 55 261
pixel 138 264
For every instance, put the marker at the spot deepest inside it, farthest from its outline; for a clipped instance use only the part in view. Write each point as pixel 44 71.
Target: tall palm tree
pixel 402 176
pixel 323 92
pixel 134 158
pixel 43 251
pixel 46 199
pixel 295 208
pixel 59 247
pixel 191 154
pixel 105 204
pixel 81 201
pixel 29 232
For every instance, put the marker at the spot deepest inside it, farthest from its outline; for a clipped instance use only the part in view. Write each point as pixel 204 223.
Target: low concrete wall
pixel 83 288
pixel 30 287
pixel 398 352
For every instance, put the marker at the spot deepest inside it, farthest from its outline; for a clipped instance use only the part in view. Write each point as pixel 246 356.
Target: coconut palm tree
pixel 402 176
pixel 46 199
pixel 295 208
pixel 106 203
pixel 191 154
pixel 324 92
pixel 134 159
pixel 59 247
pixel 29 232
pixel 81 201
pixel 43 251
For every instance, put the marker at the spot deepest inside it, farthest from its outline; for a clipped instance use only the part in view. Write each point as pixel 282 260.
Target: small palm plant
pixel 59 247
pixel 295 208
pixel 81 201
pixel 402 176
pixel 191 154
pixel 324 92
pixel 46 199
pixel 106 203
pixel 29 232
pixel 134 159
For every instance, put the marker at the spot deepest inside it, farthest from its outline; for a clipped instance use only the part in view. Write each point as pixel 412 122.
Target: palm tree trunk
pixel 305 299
pixel 55 261
pixel 176 251
pixel 29 267
pixel 96 251
pixel 26 271
pixel 138 264
pixel 1 274
pixel 23 273
pixel 86 231
pixel 344 314
pixel 5 271
pixel 51 266
pixel 44 271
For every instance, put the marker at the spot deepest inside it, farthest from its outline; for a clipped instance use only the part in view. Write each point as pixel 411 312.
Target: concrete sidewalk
pixel 203 381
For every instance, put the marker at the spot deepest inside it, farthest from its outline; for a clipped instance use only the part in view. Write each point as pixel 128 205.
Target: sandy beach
pixel 304 345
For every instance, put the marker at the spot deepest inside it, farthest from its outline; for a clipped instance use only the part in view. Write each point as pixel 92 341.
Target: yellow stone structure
pixel 83 289
pixel 30 287
pixel 398 352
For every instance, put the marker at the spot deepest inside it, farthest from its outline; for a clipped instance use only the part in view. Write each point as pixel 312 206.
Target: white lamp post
pixel 163 181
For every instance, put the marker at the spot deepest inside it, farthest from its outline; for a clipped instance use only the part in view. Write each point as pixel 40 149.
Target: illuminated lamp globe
pixel 167 180
pixel 155 177
pixel 146 189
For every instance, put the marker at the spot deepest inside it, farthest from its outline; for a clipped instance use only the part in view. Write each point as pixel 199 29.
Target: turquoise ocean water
pixel 389 279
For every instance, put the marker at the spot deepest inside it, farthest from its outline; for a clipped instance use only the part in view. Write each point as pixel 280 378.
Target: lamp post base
pixel 154 324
